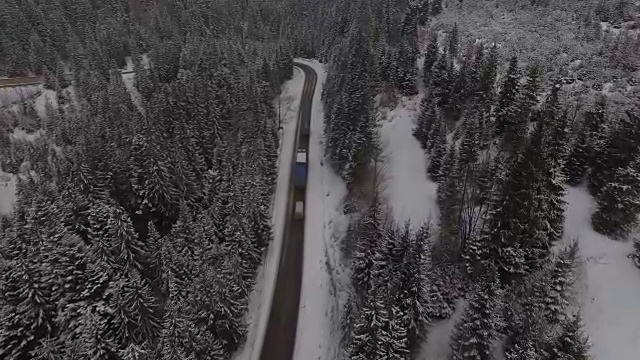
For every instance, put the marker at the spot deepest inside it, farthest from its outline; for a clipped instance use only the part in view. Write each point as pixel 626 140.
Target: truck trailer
pixel 300 169
pixel 299 210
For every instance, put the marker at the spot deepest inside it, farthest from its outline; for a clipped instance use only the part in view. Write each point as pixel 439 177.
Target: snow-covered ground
pixel 12 95
pixel 608 286
pixel 260 302
pixel 7 192
pixel 411 195
pixel 437 345
pixel 323 275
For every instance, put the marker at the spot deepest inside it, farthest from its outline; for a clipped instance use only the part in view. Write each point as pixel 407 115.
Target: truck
pixel 300 169
pixel 299 210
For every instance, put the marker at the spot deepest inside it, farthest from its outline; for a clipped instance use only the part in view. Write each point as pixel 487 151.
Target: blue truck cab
pixel 300 169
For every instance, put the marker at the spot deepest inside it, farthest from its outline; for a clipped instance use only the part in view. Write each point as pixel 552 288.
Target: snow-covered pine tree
pixel 449 199
pixel 412 301
pixel 474 334
pixel 430 58
pixel 406 71
pixel 553 177
pixel 425 121
pixel 557 293
pixel 461 89
pixel 371 329
pixel 441 80
pixel 368 238
pixel 470 145
pixel 439 139
pixel 587 143
pixel 576 166
pixel 621 146
pixel 137 319
pixel 438 307
pixel 619 203
pixel 521 223
pixel 509 90
pixel 572 343
pixel 485 89
pixel 350 128
pixel 397 347
pixel 27 310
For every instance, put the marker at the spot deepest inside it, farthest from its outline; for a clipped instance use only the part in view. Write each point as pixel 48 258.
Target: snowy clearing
pixel 410 193
pixel 437 345
pixel 323 276
pixel 609 284
pixel 262 295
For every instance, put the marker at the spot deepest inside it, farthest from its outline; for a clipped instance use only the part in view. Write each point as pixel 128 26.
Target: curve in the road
pixel 280 335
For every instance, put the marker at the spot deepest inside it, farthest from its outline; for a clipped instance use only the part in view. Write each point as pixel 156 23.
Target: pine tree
pixel 576 166
pixel 505 113
pixel 619 203
pixel 368 241
pixel 92 343
pixel 436 7
pixel 618 152
pixel 425 122
pixel 449 193
pixel 350 124
pixel 486 83
pixel 27 309
pixel 415 303
pixel 430 58
pixel 553 176
pixel 513 220
pixel 556 296
pixel 371 329
pixel 406 71
pixel 470 145
pixel 460 90
pixel 142 308
pixel 441 81
pixel 439 139
pixel 572 343
pixel 475 333
pixel 588 145
pixel 396 346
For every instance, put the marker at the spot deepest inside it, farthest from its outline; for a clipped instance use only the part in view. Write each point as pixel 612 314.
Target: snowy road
pixel 36 80
pixel 279 339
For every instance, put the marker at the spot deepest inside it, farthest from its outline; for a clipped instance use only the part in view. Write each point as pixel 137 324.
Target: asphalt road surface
pixel 280 336
pixel 34 80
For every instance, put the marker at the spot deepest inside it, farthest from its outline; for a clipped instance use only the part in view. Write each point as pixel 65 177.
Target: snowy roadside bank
pixel 318 319
pixel 262 295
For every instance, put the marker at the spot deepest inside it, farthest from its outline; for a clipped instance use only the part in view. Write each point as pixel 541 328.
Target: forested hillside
pixel 138 226
pixel 509 117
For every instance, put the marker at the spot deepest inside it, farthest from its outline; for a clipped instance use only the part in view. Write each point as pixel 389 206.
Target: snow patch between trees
pixel 411 194
pixel 609 284
pixel 7 192
pixel 262 295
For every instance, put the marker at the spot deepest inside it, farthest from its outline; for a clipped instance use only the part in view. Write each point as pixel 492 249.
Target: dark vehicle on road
pixel 300 169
